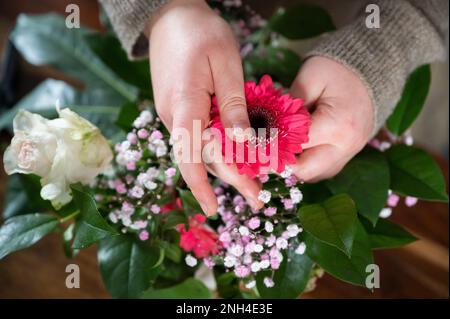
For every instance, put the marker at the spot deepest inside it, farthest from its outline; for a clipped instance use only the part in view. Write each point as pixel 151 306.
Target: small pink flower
pixel 142 133
pixel 131 166
pixel 288 204
pixel 254 223
pixel 270 211
pixel 156 135
pixel 155 209
pixel 132 138
pixel 392 200
pixel 242 271
pixel 143 235
pixel 170 172
pixel 121 189
pixel 410 201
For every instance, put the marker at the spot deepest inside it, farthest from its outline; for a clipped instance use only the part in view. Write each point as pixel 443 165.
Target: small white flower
pixel 113 218
pixel 268 282
pixel 385 212
pixel 384 146
pixel 264 196
pixel 150 185
pixel 268 226
pixel 255 266
pixel 236 250
pixel 287 172
pixel 229 261
pixel 258 248
pixel 244 231
pixel 409 140
pixel 296 195
pixel 293 230
pixel 136 192
pixel 250 284
pixel 190 261
pixel 264 264
pixel 300 250
pixel 281 243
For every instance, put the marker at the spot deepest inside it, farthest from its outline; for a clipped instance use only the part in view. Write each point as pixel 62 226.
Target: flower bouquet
pixel 101 172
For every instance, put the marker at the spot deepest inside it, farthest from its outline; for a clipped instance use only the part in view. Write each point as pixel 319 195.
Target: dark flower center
pixel 261 121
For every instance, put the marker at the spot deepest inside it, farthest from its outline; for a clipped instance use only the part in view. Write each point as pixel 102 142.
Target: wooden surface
pixel 419 270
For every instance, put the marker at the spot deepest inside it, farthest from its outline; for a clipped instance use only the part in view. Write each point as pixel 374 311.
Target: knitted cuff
pixel 128 18
pixel 384 57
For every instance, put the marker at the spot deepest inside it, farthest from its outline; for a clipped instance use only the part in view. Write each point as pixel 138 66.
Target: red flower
pixel 199 238
pixel 268 108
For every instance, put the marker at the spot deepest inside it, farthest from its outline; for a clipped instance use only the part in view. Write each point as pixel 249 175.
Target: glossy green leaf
pixel 23 231
pixel 91 226
pixel 16 202
pixel 366 179
pixel 189 289
pixel 45 40
pixel 301 21
pixel 412 100
pixel 190 204
pixel 280 63
pixel 126 265
pixel 107 47
pixel 290 279
pixel 415 173
pixel 332 221
pixel 171 251
pixel 99 106
pixel 339 265
pixel 128 113
pixel 387 234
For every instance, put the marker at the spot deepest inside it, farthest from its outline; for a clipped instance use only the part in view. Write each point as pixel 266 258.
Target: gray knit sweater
pixel 411 33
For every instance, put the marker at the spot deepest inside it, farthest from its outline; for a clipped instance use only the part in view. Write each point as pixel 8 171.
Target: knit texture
pixel 410 34
pixel 128 18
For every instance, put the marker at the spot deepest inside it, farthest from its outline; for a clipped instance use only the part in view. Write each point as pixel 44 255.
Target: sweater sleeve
pixel 128 18
pixel 411 33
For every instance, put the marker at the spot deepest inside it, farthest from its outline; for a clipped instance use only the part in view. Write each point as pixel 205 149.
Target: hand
pixel 193 55
pixel 342 117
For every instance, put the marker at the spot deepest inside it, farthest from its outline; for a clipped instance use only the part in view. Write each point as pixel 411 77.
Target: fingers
pixel 189 121
pixel 228 81
pixel 323 127
pixel 249 188
pixel 317 163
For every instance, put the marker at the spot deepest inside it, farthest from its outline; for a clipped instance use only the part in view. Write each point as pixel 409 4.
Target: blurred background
pixel 417 271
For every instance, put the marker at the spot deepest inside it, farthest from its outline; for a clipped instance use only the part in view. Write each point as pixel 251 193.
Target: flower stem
pixel 70 216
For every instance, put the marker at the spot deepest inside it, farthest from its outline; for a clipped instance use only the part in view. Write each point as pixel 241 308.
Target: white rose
pixel 62 151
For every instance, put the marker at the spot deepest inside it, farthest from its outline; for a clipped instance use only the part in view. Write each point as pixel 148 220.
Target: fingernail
pixel 255 204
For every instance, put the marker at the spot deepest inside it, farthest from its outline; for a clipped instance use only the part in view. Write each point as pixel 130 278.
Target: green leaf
pixel 172 251
pixel 280 63
pixel 67 241
pixel 45 39
pixel 301 21
pixel 227 285
pixel 126 265
pixel 108 48
pixel 412 100
pixel 15 202
pixel 190 204
pixel 20 232
pixel 290 279
pixel 414 173
pixel 387 234
pixel 189 289
pixel 91 227
pixel 366 179
pixel 99 106
pixel 339 265
pixel 333 221
pixel 128 113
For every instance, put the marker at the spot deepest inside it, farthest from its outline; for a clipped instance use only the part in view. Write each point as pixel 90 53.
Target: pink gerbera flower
pixel 269 150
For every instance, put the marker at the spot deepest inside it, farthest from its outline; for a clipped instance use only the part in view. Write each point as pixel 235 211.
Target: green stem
pixel 70 216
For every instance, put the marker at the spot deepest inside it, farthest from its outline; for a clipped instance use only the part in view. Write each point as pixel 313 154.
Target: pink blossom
pixel 142 133
pixel 156 135
pixel 410 201
pixel 143 235
pixel 392 200
pixel 131 166
pixel 242 271
pixel 170 172
pixel 155 209
pixel 288 204
pixel 254 223
pixel 270 211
